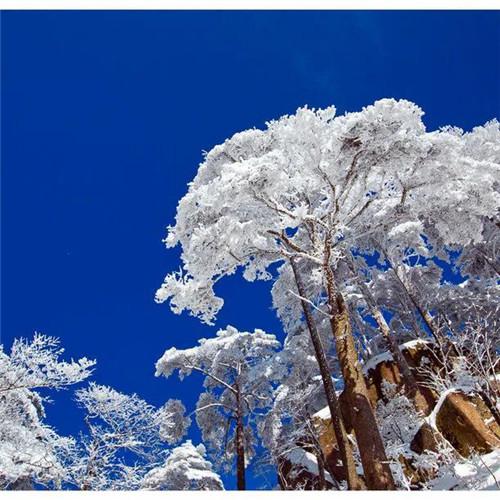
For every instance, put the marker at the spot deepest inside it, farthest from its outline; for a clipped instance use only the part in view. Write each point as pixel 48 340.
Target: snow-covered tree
pixel 186 468
pixel 238 386
pixel 30 450
pixel 124 438
pixel 305 190
pixel 312 191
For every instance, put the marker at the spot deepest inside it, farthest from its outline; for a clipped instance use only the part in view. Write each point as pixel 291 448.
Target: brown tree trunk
pixel 490 405
pixel 376 468
pixel 424 314
pixel 411 388
pixel 321 473
pixel 240 446
pixel 353 480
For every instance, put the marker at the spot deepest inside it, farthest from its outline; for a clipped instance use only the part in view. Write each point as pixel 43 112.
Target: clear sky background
pixel 104 119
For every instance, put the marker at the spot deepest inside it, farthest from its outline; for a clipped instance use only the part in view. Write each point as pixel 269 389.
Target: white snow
pixel 387 356
pixel 413 343
pixel 185 469
pixel 323 414
pixel 465 470
pixel 307 461
pixel 376 360
pixel 480 472
pixel 431 419
pixel 488 473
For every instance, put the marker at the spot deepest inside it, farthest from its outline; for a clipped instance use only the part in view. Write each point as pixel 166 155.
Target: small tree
pixel 186 468
pixel 237 368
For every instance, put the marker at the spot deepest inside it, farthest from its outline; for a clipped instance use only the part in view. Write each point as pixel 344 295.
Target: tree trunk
pixel 424 314
pixel 240 446
pixel 90 471
pixel 376 468
pixel 411 388
pixel 353 480
pixel 321 473
pixel 491 406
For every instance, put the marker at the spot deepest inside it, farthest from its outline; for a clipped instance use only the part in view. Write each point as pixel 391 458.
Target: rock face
pixel 461 421
pixel 299 471
pixel 465 421
pixel 291 477
pixel 416 354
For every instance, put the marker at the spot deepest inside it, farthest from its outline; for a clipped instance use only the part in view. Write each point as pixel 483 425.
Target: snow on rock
pixel 323 414
pixel 387 356
pixel 376 360
pixel 414 343
pixel 465 470
pixel 431 419
pixel 307 461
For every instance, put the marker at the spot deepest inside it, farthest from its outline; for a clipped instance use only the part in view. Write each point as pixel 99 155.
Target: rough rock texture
pixel 426 438
pixel 463 420
pixel 292 478
pixel 329 446
pixel 388 371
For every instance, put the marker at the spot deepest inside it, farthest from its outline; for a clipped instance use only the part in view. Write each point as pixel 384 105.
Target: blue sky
pixel 105 116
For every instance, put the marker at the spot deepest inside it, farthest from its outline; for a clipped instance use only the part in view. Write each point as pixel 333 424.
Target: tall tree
pixel 310 189
pixel 290 424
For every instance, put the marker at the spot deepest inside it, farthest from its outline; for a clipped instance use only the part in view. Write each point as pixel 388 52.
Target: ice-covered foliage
pixel 186 468
pixel 399 422
pixel 36 364
pixel 369 208
pixel 124 438
pixel 390 232
pixel 172 421
pixel 363 176
pixel 30 450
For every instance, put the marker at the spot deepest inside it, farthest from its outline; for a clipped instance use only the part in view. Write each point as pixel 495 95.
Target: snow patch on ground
pixel 480 472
